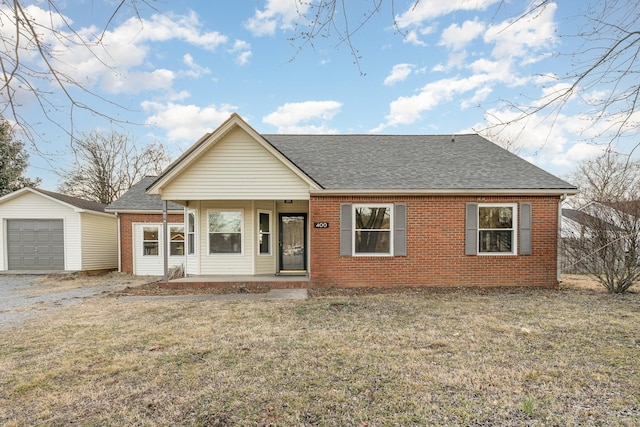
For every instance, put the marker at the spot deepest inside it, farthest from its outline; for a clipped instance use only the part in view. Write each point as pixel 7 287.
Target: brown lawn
pixel 567 356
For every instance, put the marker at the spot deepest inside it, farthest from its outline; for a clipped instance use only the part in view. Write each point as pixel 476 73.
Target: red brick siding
pixel 435 246
pixel 126 234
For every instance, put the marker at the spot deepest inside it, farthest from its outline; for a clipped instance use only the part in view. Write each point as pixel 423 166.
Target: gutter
pixel 564 192
pixel 119 244
pixel 559 240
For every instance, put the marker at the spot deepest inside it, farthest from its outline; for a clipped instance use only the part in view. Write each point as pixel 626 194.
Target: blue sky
pixel 183 68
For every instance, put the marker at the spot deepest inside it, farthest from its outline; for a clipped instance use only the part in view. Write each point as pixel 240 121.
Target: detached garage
pixel 43 230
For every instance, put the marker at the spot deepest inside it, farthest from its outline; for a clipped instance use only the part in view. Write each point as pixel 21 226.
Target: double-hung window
pixel 497 228
pixel 191 233
pixel 372 229
pixel 176 241
pixel 150 241
pixel 225 232
pixel 264 233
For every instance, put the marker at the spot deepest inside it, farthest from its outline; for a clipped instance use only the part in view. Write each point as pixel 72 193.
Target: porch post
pixel 165 241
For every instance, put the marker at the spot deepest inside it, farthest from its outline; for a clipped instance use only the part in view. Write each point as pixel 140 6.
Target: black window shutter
pixel 400 230
pixel 471 235
pixel 346 230
pixel 525 229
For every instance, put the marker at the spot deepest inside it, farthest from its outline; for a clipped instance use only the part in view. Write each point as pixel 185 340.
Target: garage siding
pixel 99 242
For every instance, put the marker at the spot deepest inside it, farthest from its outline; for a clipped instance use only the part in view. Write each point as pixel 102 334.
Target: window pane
pixel 372 218
pixel 495 217
pixel 177 233
pixel 150 248
pixel 225 222
pixel 150 233
pixel 264 222
pixel 495 241
pixel 373 242
pixel 264 243
pixel 192 244
pixel 225 243
pixel 176 248
pixel 192 223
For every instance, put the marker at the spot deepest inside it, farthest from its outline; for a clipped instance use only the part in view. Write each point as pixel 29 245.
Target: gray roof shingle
pixel 137 199
pixel 74 201
pixel 411 162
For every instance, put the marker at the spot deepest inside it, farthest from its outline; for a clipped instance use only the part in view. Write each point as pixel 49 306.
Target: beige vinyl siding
pixel 227 263
pixel 297 206
pixel 266 264
pixel 236 168
pixel 34 206
pixel 99 242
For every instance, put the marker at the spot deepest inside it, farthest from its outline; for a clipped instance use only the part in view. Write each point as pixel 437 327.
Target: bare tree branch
pixel 107 165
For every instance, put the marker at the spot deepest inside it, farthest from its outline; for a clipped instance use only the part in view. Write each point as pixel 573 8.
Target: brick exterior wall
pixel 126 234
pixel 435 246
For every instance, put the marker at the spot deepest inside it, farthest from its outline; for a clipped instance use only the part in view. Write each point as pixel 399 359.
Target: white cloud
pixel 525 37
pixel 136 82
pixel 277 14
pixel 479 96
pixel 510 41
pixel 399 73
pixel 243 50
pixel 119 62
pixel 426 10
pixel 184 122
pixel 194 70
pixel 291 117
pixel 456 37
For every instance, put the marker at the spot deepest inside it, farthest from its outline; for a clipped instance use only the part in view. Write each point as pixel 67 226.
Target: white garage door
pixel 35 244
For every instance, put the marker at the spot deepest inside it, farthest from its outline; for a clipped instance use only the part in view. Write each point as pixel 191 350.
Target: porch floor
pixel 263 280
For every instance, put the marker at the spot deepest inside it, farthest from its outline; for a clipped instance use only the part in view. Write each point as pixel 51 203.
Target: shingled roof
pixel 137 199
pixel 411 162
pixel 73 201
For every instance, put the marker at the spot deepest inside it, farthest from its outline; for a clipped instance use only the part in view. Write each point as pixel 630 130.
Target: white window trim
pixel 514 229
pixel 195 232
pixel 270 213
pixel 389 206
pixel 242 241
pixel 158 240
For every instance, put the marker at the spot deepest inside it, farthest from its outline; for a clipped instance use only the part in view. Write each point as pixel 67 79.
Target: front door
pixel 293 243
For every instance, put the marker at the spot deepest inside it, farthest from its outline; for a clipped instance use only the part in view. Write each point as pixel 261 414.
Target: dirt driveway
pixel 23 296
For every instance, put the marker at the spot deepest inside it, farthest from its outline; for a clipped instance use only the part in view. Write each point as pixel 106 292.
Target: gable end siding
pixel 237 168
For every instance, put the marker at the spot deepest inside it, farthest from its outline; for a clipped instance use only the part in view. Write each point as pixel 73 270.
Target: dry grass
pixel 55 283
pixel 454 357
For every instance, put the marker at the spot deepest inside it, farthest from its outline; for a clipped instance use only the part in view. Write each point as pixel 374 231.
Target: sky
pixel 179 69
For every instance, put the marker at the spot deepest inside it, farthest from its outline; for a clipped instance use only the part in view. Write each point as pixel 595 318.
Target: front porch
pixel 240 282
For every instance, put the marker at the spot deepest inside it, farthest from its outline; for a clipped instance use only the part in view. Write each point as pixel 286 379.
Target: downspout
pixel 119 245
pixel 165 241
pixel 559 240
